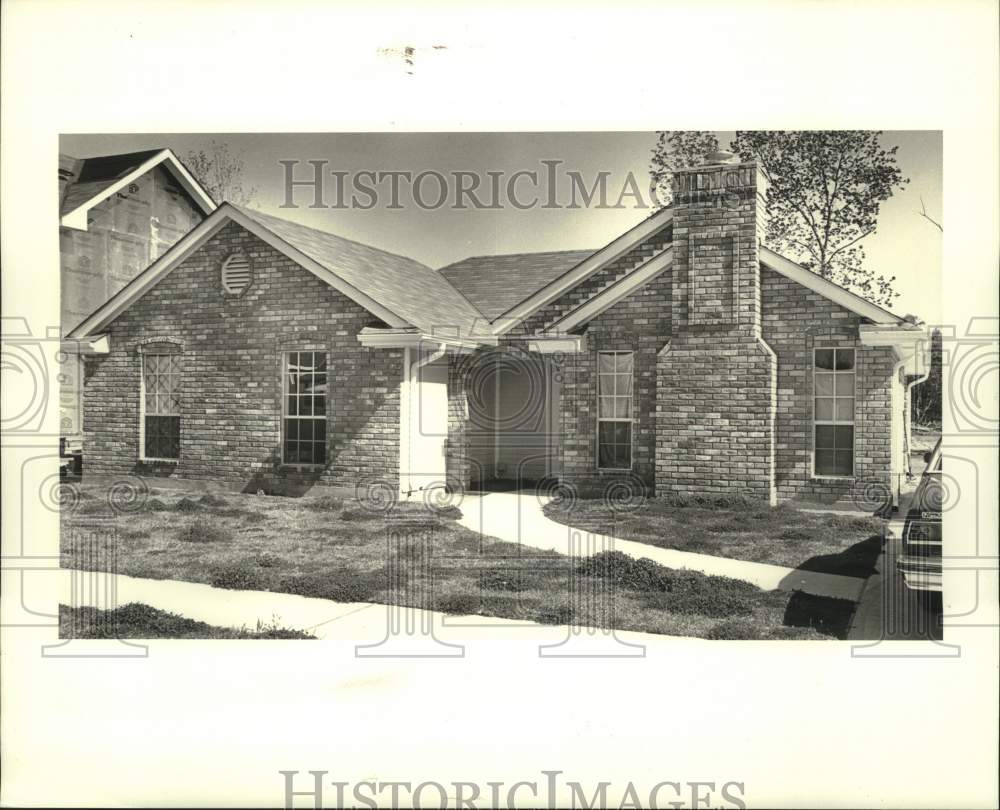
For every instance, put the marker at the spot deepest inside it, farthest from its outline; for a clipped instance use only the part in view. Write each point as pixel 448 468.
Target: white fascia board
pixel 609 253
pixel 372 338
pixel 610 296
pixel 77 218
pixel 563 344
pixel 829 290
pixel 153 274
pixel 89 345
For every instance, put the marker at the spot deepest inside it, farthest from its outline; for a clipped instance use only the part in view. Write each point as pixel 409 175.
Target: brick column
pixel 717 381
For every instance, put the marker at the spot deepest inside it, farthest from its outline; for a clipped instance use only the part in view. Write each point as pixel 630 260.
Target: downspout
pixel 411 370
pixel 896 484
pixel 909 411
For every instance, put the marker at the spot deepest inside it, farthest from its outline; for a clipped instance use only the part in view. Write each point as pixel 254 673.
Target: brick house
pixel 684 355
pixel 117 213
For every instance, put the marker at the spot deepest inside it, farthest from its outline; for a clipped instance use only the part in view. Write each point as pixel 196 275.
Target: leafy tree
pixel 677 150
pixel 826 190
pixel 221 171
pixel 926 397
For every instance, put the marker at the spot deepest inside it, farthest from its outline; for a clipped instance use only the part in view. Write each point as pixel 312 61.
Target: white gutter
pixel 374 338
pixel 911 345
pixel 88 345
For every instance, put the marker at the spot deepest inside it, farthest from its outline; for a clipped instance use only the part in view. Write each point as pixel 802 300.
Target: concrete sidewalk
pixel 517 517
pixel 379 630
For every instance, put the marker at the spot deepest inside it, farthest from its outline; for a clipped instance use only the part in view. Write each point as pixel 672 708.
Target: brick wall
pixel 641 324
pixel 795 321
pixel 231 390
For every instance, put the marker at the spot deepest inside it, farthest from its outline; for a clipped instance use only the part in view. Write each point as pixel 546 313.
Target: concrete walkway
pixel 378 630
pixel 517 517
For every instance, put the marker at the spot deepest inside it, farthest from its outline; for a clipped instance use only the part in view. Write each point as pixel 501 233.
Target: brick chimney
pixel 717 380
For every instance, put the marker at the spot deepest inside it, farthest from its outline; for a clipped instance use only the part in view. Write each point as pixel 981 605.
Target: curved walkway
pixel 517 517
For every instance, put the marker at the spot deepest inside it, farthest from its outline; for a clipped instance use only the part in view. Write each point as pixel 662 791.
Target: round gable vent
pixel 235 274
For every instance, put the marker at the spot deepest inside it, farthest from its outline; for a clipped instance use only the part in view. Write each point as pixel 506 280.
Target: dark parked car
pixel 920 561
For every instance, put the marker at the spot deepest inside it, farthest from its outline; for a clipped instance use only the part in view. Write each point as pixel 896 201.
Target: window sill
pixel 832 477
pixel 144 460
pixel 301 467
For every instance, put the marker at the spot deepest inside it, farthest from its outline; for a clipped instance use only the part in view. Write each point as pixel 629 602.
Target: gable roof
pixel 615 249
pixel 98 178
pixel 457 300
pixel 419 295
pixel 826 288
pixel 398 290
pixel 494 284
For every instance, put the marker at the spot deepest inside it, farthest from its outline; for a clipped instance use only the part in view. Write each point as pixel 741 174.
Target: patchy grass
pixel 780 535
pixel 332 548
pixel 136 620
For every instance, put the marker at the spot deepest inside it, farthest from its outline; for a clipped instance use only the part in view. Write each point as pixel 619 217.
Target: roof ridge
pixel 512 255
pixel 252 212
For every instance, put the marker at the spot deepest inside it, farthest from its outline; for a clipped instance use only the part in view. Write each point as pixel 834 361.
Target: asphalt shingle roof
pixel 416 293
pixel 494 284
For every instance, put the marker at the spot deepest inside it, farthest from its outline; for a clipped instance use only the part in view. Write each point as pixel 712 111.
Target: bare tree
pixel 221 171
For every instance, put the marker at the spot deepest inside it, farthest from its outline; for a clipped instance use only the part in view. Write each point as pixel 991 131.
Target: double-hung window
pixel 161 383
pixel 833 414
pixel 304 408
pixel 614 410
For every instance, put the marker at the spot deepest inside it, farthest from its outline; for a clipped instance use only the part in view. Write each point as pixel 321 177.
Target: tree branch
pixel 923 213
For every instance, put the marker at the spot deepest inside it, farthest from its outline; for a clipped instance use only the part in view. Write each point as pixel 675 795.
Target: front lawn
pixel 781 535
pixel 136 620
pixel 332 548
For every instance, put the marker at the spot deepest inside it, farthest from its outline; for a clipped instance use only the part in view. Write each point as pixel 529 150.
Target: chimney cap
pixel 720 157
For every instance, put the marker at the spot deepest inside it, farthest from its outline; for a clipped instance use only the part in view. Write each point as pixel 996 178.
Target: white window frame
pixel 284 408
pixel 144 355
pixel 630 419
pixel 854 413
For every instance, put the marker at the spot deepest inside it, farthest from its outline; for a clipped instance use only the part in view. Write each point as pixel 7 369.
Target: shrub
pixel 345 585
pixel 239 576
pixel 198 532
pixel 185 504
pixel 460 604
pixel 212 500
pixel 418 509
pixel 154 505
pixel 734 630
pixel 691 592
pixel 325 503
pixel 503 579
pixel 94 507
pixel 795 534
pixel 356 514
pixel 676 591
pixel 624 571
pixel 267 560
pixel 560 614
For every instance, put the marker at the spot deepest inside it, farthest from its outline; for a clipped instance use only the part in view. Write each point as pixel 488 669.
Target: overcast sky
pixel 906 245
